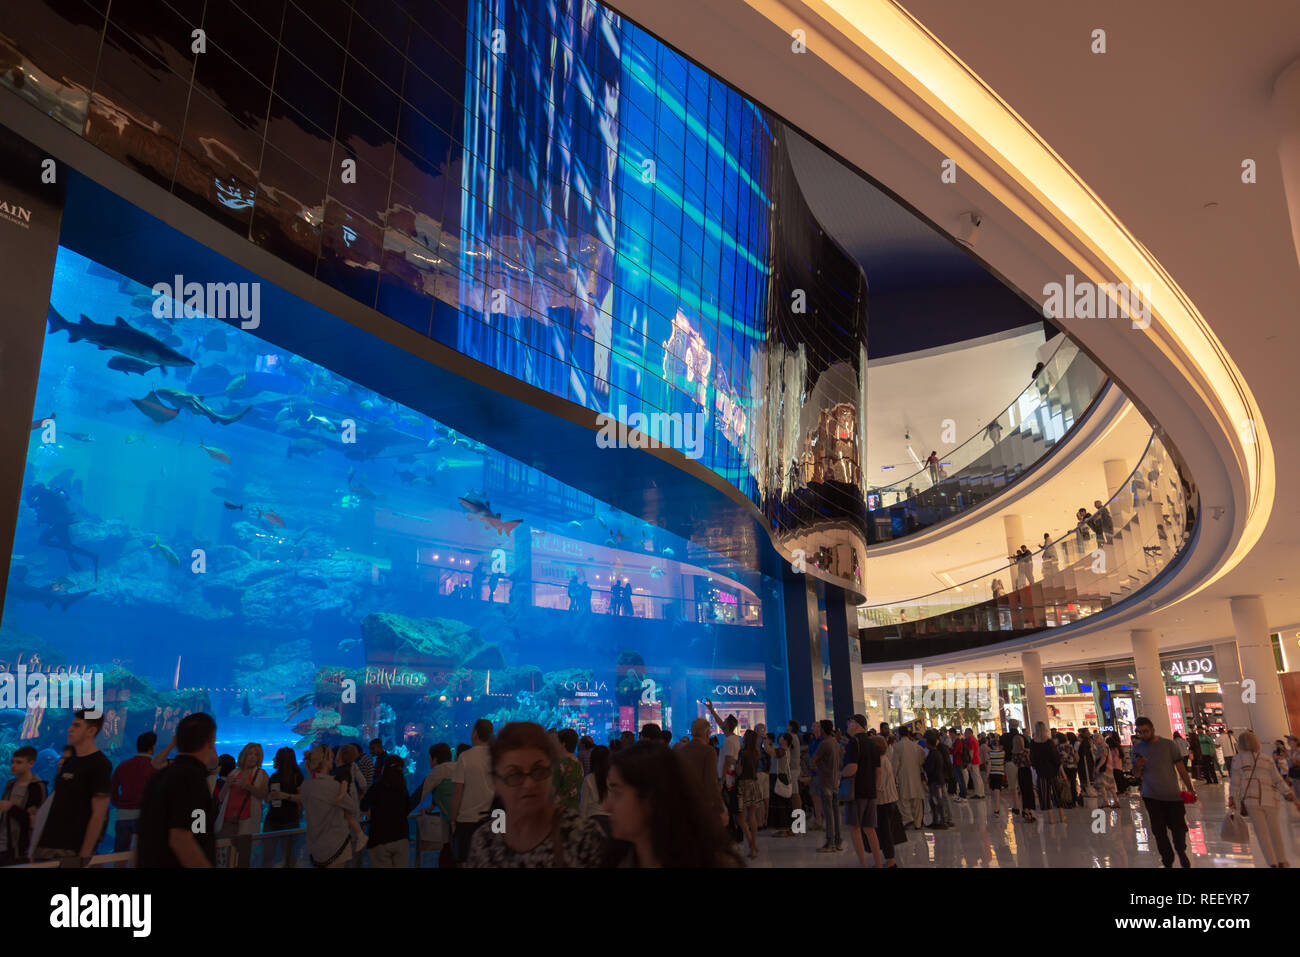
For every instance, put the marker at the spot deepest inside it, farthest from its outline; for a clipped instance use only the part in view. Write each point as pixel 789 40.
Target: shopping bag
pixel 1235 830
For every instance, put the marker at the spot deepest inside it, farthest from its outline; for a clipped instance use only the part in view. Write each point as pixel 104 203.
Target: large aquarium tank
pixel 214 523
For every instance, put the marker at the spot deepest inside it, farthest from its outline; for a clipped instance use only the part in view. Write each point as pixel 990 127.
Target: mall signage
pixel 586 689
pixel 1191 667
pixel 735 691
pixel 1059 681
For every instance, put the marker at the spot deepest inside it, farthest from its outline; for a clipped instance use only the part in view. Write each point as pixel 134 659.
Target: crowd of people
pixel 526 796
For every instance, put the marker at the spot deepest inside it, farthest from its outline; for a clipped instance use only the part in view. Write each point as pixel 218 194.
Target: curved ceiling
pixel 925 290
pixel 883 91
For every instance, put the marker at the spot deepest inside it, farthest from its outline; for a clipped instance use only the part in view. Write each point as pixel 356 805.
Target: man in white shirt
pixel 471 797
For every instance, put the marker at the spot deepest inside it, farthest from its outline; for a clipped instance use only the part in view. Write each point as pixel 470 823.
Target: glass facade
pixel 544 188
pixel 244 531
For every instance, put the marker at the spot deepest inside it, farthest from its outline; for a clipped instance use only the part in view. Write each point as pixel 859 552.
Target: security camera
pixel 968 225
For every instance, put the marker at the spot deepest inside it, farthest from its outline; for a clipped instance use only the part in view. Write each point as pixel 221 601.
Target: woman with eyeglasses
pixel 537 833
pixel 654 807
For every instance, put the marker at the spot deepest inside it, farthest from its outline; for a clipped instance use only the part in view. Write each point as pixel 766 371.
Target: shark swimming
pixel 119 337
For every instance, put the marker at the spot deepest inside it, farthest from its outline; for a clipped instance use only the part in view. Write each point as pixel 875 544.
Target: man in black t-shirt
pixel 81 789
pixel 863 765
pixel 178 825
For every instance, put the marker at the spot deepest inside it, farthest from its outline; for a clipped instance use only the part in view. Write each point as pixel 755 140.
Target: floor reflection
pixel 1118 838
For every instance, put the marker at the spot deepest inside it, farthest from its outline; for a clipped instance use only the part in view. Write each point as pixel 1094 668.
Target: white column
pixel 1015 529
pixel 1031 665
pixel 1151 683
pixel 1267 710
pixel 1228 666
pixel 1117 472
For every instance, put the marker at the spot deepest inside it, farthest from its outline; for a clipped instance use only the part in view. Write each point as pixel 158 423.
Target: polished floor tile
pixel 1115 838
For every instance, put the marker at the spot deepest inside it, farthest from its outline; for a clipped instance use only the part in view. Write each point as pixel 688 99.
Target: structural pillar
pixel 1015 529
pixel 1260 684
pixel 1151 682
pixel 1228 665
pixel 846 660
pixel 1031 666
pixel 803 654
pixel 1117 473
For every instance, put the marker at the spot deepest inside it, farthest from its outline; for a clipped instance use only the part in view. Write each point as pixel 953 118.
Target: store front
pixel 1192 691
pixel 1103 696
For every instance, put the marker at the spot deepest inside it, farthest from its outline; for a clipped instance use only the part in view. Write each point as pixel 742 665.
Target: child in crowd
pixel 23 795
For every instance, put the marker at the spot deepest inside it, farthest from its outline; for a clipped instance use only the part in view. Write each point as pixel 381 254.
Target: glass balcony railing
pixel 1103 561
pixel 1013 442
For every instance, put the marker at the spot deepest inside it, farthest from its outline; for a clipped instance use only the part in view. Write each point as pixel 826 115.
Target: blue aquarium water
pixel 245 532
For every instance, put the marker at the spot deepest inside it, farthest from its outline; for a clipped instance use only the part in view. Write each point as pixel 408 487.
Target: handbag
pixel 1246 791
pixel 1235 830
pixel 783 788
pixel 347 842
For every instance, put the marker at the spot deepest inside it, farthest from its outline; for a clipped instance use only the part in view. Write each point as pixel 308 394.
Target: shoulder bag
pixel 1245 793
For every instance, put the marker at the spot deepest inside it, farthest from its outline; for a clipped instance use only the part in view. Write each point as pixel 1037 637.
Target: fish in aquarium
pixel 79 436
pixel 325 423
pixel 58 592
pixel 166 553
pixel 232 506
pixel 304 447
pixel 134 366
pixel 657 572
pixel 219 454
pixel 154 409
pixel 476 507
pixel 359 489
pixel 347 644
pixel 55 518
pixel 271 517
pixel 119 337
pixel 194 403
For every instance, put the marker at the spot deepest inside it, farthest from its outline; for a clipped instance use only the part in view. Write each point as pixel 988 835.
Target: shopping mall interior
pixel 373 367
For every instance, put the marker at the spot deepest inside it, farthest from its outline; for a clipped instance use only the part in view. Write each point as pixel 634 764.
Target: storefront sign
pixel 586 689
pixel 1185 669
pixel 735 691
